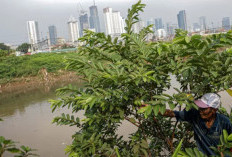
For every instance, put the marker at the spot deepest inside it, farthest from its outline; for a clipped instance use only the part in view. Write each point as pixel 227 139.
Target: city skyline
pixel 57 16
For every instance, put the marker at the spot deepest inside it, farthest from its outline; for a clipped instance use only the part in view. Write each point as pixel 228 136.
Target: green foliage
pixel 122 73
pixel 23 47
pixel 223 149
pixel 198 65
pixel 4 47
pixel 3 53
pixel 67 120
pixel 9 146
pixel 12 66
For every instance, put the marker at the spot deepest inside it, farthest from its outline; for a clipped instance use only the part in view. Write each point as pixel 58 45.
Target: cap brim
pixel 200 104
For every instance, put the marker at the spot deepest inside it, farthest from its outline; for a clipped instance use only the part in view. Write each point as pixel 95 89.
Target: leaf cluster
pixel 122 74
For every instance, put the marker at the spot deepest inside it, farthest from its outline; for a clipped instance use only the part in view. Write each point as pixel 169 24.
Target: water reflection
pixel 13 102
pixel 27 119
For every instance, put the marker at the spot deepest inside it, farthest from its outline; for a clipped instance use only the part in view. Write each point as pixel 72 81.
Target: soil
pixel 42 79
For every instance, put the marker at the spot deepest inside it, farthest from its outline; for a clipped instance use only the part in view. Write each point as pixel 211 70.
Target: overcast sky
pixel 15 13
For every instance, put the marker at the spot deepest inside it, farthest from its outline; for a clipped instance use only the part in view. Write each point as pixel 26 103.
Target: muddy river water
pixel 27 119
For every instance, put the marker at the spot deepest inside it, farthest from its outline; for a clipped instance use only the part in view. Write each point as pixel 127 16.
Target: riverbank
pixel 22 84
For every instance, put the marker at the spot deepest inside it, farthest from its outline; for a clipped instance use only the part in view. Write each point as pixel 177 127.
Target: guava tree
pixel 122 74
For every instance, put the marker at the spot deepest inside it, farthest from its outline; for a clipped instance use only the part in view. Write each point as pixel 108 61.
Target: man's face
pixel 206 113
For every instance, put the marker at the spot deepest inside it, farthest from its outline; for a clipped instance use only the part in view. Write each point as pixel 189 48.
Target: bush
pixel 12 66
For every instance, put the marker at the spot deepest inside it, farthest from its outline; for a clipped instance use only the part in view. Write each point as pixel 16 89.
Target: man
pixel 207 124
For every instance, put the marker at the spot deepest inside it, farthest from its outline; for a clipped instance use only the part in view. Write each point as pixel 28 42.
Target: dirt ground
pixel 42 79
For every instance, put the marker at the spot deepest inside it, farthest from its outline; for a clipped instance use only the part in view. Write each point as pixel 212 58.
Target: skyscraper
pixel 114 23
pixel 52 35
pixel 137 27
pixel 226 23
pixel 171 29
pixel 182 22
pixel 202 21
pixel 33 32
pixel 94 18
pixel 84 22
pixel 158 23
pixel 73 29
pixel 151 22
pixel 197 27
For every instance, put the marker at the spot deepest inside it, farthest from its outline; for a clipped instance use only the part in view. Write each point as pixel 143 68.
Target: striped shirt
pixel 205 137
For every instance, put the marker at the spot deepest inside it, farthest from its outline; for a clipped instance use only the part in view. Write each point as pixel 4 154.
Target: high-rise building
pixel 84 22
pixel 196 27
pixel 52 35
pixel 137 27
pixel 73 29
pixel 94 21
pixel 226 23
pixel 114 23
pixel 161 33
pixel 33 32
pixel 158 23
pixel 203 24
pixel 171 29
pixel 182 22
pixel 151 22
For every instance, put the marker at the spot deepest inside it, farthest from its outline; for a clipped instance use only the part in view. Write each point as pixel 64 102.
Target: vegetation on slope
pixel 22 66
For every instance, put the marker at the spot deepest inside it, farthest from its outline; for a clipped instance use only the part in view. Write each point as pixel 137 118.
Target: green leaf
pixel 190 152
pixel 156 109
pixel 229 138
pixel 225 135
pixel 175 154
pixel 142 109
pixel 187 39
pixel 162 109
pixel 144 144
pixel 13 150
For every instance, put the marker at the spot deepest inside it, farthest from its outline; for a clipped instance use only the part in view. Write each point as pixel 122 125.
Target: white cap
pixel 208 100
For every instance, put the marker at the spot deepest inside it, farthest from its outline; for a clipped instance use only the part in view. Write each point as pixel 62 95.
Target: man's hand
pixel 169 113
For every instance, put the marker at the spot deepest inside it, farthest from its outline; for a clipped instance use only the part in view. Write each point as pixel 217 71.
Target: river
pixel 27 119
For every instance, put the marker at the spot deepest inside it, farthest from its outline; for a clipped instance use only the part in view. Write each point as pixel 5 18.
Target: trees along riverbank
pixel 123 73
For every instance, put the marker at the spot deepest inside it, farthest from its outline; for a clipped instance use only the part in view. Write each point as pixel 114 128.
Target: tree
pixel 24 47
pixel 122 73
pixel 4 47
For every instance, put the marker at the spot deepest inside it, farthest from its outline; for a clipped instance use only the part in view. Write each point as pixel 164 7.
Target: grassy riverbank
pixel 12 67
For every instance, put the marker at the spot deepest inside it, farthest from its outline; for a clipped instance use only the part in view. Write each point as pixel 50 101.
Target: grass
pixel 22 66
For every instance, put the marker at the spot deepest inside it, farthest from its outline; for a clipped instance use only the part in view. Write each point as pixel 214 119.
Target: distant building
pixel 137 27
pixel 73 29
pixel 161 33
pixel 94 21
pixel 171 29
pixel 114 23
pixel 203 25
pixel 33 32
pixel 158 23
pixel 84 22
pixel 151 21
pixel 182 22
pixel 61 41
pixel 226 23
pixel 196 27
pixel 52 35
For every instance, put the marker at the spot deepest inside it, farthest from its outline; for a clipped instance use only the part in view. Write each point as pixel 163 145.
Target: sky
pixel 15 13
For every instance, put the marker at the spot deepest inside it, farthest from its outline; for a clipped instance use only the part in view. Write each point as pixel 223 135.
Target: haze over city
pixel 14 14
